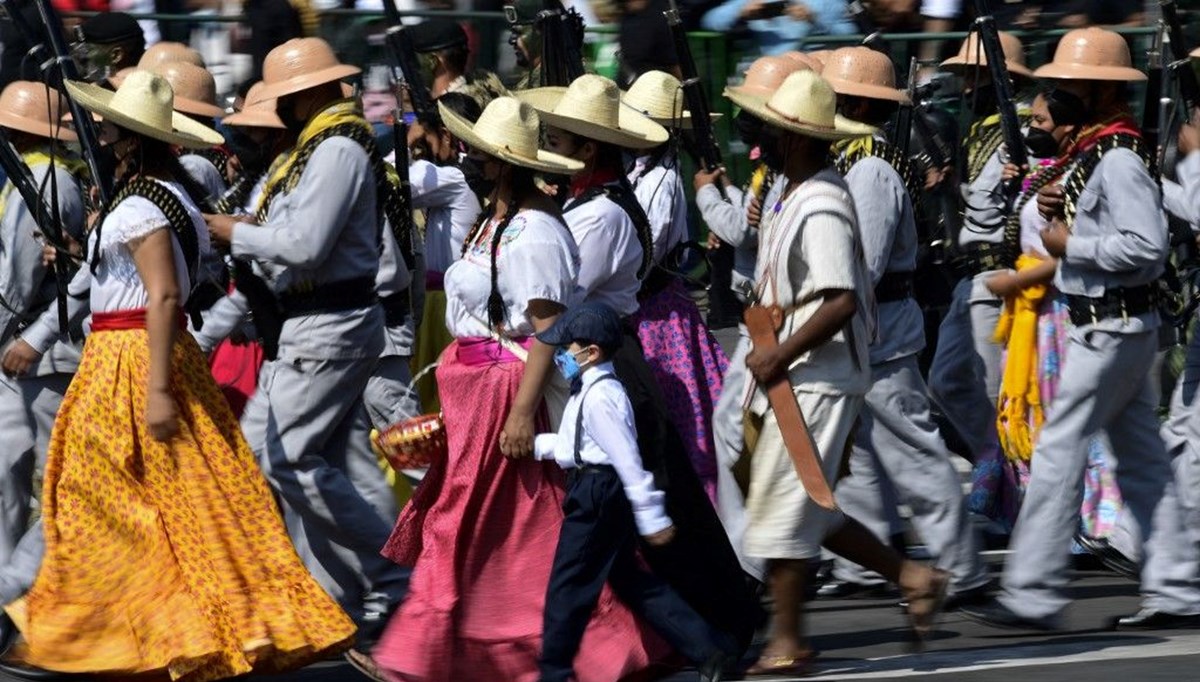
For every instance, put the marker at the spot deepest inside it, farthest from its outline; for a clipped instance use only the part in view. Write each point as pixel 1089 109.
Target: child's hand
pixel 661 538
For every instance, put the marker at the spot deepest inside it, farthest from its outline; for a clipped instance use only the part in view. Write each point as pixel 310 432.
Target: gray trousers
pixel 964 378
pixel 899 453
pixel 309 428
pixel 389 397
pixel 729 440
pixel 1104 386
pixel 27 410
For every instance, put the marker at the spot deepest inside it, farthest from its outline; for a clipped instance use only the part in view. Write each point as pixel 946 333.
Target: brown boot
pixel 924 589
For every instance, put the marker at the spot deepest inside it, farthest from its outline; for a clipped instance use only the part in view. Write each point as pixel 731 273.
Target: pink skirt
pixel 689 365
pixel 480 534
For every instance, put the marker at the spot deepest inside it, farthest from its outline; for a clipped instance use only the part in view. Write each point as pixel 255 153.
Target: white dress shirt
pixel 609 438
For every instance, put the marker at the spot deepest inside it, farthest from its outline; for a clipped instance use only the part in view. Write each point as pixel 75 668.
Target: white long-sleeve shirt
pixel 609 438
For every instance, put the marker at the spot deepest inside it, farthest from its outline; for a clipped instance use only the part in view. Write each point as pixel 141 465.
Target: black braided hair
pixel 609 157
pixel 497 314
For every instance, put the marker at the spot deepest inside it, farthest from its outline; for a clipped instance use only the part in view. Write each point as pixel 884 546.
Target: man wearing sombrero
pixel 30 116
pixel 964 379
pixel 811 266
pixel 1109 234
pixel 902 449
pixel 318 235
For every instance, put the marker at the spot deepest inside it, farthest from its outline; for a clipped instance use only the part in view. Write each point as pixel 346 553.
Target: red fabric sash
pixel 1090 137
pixel 482 350
pixel 124 320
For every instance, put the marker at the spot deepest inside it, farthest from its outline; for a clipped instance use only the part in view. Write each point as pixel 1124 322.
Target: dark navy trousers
pixel 597 544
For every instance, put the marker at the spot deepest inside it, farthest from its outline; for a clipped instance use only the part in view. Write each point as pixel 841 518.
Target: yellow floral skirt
pixel 164 558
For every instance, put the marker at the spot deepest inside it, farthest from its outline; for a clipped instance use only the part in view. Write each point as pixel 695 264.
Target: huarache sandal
pixel 926 595
pixel 365 665
pixel 783 665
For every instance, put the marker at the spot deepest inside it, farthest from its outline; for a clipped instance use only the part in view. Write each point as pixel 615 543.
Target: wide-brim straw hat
pixel 805 104
pixel 143 104
pixel 659 96
pixel 164 52
pixel 591 107
pixel 1091 54
pixel 765 75
pixel 35 109
pixel 259 115
pixel 971 55
pixel 508 129
pixel 300 64
pixel 194 87
pixel 863 72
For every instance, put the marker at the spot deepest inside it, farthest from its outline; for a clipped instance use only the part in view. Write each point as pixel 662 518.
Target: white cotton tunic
pixel 610 251
pixel 451 209
pixel 116 284
pixel 537 259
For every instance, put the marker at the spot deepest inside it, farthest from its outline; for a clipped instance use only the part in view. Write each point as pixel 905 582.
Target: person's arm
pixel 433 186
pixel 725 16
pixel 324 198
pixel 1042 273
pixel 726 219
pixel 878 199
pixel 155 259
pixel 21 264
pixel 221 319
pixel 517 438
pixel 1135 207
pixel 608 421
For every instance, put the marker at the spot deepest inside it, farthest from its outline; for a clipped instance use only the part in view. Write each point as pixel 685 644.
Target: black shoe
pixel 844 589
pixel 1152 619
pixel 8 634
pixel 994 614
pixel 974 596
pixel 713 670
pixel 1108 555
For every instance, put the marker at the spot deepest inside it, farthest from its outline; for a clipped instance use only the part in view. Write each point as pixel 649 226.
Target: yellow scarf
pixel 1019 413
pixel 339 113
pixel 40 157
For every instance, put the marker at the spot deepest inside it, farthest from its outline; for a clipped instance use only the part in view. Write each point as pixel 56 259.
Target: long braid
pixel 497 313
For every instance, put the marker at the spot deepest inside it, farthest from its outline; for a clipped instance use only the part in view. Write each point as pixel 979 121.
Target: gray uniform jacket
pixel 728 220
pixel 889 234
pixel 25 282
pixel 1119 237
pixel 324 230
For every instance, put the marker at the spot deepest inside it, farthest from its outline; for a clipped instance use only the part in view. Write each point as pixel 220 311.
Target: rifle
pixel 562 49
pixel 48 222
pixel 709 151
pixel 1180 66
pixel 1014 142
pixel 1153 109
pixel 406 75
pixel 902 133
pixel 58 68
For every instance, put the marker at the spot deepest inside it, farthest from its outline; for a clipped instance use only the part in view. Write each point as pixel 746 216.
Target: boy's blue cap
pixel 591 322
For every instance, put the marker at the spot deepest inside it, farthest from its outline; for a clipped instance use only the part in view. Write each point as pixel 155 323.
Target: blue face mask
pixel 568 364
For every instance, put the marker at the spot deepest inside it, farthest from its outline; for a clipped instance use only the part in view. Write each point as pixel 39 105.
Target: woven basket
pixel 413 443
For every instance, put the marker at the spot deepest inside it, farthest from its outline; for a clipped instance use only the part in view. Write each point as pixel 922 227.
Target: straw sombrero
pixel 35 109
pixel 259 115
pixel 863 72
pixel 300 64
pixel 591 107
pixel 804 104
pixel 508 129
pixel 658 96
pixel 194 87
pixel 971 55
pixel 143 104
pixel 1091 54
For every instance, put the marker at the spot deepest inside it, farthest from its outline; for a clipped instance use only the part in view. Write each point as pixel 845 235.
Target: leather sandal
pixel 925 603
pixel 783 665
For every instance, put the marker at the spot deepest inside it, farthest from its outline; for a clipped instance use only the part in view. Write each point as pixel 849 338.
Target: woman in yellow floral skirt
pixel 165 552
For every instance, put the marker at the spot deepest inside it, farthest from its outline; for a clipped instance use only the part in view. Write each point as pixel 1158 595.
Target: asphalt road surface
pixel 863 639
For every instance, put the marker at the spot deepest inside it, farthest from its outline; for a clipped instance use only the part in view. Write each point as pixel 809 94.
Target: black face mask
pixel 1066 109
pixel 473 170
pixel 1041 144
pixel 251 154
pixel 982 102
pixel 287 115
pixel 748 128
